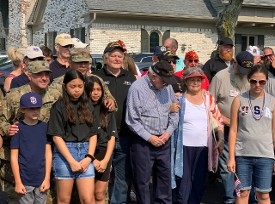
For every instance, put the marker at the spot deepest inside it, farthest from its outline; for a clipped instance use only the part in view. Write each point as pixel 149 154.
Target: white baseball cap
pixel 33 52
pixel 78 44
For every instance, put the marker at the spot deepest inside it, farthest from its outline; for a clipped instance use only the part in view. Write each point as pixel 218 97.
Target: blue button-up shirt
pixel 148 110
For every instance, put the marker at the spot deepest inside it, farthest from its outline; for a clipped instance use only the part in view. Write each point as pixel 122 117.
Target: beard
pixel 226 56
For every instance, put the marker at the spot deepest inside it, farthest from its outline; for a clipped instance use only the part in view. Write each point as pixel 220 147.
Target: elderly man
pixel 39 76
pixel 148 116
pixel 225 85
pixel 63 43
pixel 192 60
pixel 269 62
pixel 171 44
pixel 119 81
pixel 221 61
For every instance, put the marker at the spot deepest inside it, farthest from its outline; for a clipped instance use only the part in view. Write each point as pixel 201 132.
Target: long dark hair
pixel 84 113
pixel 258 68
pixel 89 85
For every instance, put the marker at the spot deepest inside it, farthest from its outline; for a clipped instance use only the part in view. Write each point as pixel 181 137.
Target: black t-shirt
pixel 212 66
pixel 118 87
pixel 57 69
pixel 58 124
pixel 104 134
pixel 20 80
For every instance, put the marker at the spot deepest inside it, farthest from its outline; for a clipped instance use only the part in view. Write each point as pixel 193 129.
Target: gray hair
pixel 192 70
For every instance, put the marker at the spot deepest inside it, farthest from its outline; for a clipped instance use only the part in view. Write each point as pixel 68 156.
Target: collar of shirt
pixel 122 72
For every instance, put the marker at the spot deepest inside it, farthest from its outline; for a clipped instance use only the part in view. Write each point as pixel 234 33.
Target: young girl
pixel 251 137
pixel 106 137
pixel 73 130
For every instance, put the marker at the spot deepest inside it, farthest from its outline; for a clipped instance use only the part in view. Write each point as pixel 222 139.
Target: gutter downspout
pixel 89 27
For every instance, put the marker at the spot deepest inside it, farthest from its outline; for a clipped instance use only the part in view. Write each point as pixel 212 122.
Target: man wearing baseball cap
pixel 32 53
pixel 63 43
pixel 191 60
pixel 222 60
pixel 39 76
pixel 118 81
pixel 149 117
pixel 225 86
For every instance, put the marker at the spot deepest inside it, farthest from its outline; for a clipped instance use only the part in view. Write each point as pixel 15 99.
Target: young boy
pixel 31 155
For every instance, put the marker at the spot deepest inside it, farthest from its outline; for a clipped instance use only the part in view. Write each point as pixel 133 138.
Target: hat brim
pixel 31 106
pixel 41 70
pixel 111 49
pixel 194 75
pixel 169 80
pixel 243 70
pixel 66 42
pixel 82 60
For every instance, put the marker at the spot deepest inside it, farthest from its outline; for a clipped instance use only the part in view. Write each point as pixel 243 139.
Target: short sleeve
pixel 14 143
pixel 112 129
pixel 57 121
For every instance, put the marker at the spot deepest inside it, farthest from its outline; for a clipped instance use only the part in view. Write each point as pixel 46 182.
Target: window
pixel 242 41
pixel 78 33
pixel 50 41
pixel 154 40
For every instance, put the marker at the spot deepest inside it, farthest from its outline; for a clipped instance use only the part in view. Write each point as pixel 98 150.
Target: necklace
pixel 256 116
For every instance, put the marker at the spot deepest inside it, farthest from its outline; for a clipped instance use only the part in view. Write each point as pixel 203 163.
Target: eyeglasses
pixel 193 60
pixel 254 82
pixel 266 56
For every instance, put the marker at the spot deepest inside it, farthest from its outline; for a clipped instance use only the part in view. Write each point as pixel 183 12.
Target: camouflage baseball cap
pixel 80 55
pixel 38 66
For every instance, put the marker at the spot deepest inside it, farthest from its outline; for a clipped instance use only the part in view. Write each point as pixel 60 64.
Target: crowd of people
pixel 72 136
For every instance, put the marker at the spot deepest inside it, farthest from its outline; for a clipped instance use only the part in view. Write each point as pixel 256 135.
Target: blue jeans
pixel 256 169
pixel 33 195
pixel 122 171
pixel 61 167
pixel 226 176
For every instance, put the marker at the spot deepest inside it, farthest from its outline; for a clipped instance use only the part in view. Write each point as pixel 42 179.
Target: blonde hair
pixel 16 55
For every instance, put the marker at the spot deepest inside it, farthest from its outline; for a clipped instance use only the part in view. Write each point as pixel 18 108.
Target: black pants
pixel 148 160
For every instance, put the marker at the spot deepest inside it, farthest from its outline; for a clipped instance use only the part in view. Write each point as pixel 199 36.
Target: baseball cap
pixel 30 100
pixel 33 52
pixel 245 61
pixel 63 39
pixel 226 41
pixel 168 55
pixel 254 50
pixel 158 50
pixel 191 55
pixel 194 72
pixel 80 55
pixel 112 46
pixel 38 66
pixel 165 71
pixel 78 44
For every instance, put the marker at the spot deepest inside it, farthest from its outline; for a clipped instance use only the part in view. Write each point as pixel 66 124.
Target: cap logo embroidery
pixel 33 100
pixel 247 64
pixel 35 49
pixel 162 49
pixel 67 37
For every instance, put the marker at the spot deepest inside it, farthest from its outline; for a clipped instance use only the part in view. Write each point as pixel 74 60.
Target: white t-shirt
pixel 195 125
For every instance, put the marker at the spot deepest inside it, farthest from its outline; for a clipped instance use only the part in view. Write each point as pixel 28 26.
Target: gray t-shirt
pixel 255 135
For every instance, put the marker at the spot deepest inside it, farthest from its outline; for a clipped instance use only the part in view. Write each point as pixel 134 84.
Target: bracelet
pixel 90 156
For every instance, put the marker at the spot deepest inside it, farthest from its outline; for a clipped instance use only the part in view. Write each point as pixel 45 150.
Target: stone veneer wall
pixel 270 41
pixel 17 29
pixel 61 16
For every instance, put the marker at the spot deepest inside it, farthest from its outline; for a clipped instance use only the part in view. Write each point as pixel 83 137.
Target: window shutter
pixel 238 43
pixel 261 41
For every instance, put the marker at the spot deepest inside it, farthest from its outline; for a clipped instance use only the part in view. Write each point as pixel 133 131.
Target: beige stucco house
pixel 140 24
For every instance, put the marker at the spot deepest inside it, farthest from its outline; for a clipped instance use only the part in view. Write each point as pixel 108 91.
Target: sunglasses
pixel 67 46
pixel 266 56
pixel 172 61
pixel 193 60
pixel 254 82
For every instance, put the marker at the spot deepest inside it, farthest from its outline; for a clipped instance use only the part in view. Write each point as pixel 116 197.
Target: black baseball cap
pixel 245 61
pixel 165 71
pixel 226 41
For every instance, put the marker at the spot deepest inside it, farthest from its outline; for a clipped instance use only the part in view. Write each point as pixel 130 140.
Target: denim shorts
pixel 258 169
pixel 61 167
